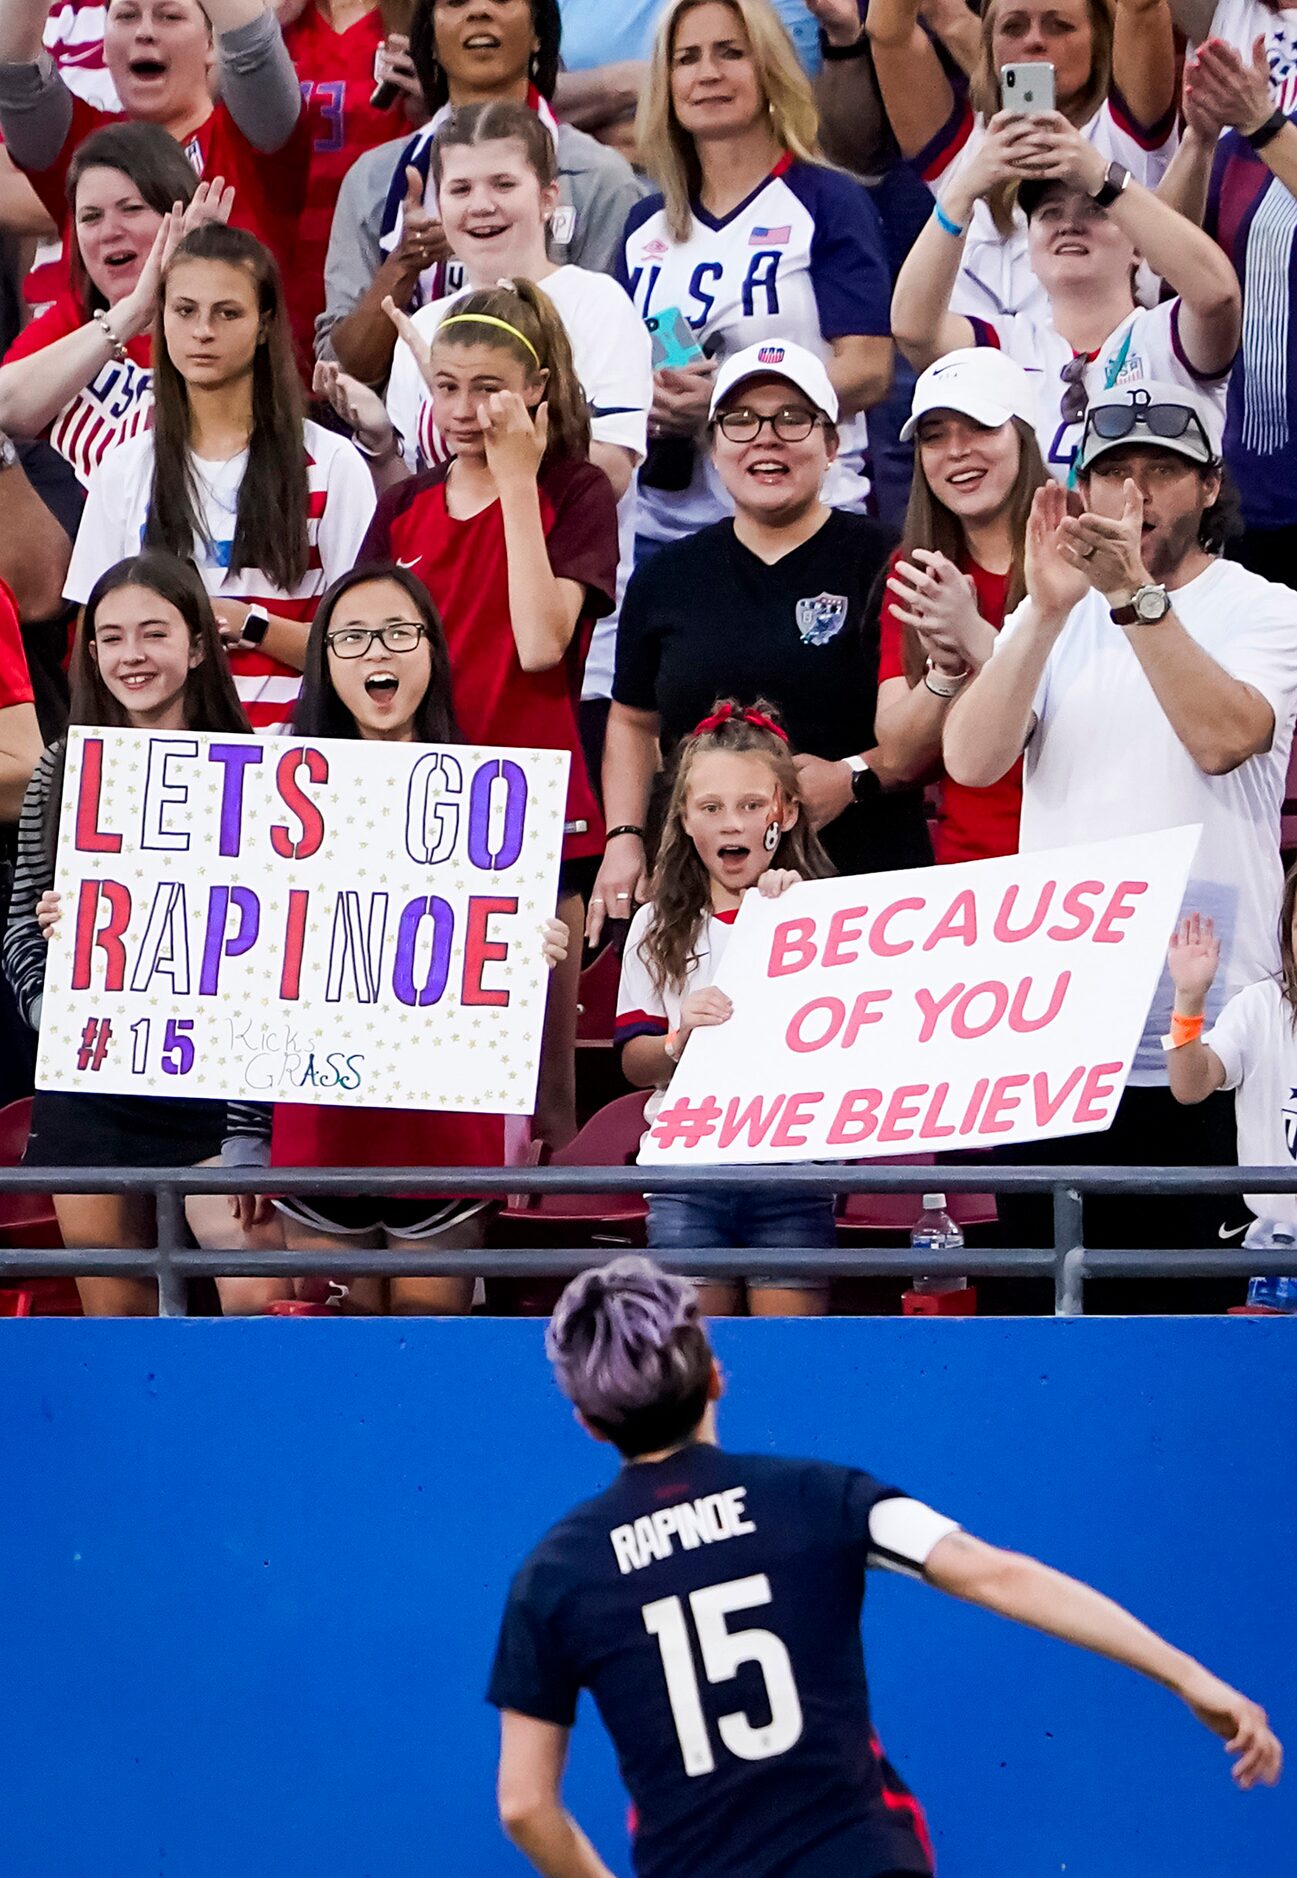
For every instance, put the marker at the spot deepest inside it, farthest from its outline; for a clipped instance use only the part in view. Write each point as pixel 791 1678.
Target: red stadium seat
pixel 610 1138
pixel 27 1219
pixel 892 1215
pixel 597 1000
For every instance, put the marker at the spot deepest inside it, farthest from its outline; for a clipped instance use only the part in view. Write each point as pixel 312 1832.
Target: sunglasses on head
pixel 1114 421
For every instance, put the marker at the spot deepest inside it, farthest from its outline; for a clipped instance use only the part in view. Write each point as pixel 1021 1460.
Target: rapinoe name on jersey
pixel 694 1523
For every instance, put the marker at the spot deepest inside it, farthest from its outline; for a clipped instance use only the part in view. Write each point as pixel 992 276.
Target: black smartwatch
pixel 255 626
pixel 1115 180
pixel 864 784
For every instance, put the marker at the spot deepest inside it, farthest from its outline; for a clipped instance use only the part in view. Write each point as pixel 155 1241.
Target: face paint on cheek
pixel 772 837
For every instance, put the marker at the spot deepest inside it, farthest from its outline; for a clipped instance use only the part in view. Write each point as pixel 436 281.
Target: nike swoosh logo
pixel 409 566
pixel 1231 1232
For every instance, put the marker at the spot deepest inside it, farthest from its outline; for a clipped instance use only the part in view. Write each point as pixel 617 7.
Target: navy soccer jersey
pixel 710 1603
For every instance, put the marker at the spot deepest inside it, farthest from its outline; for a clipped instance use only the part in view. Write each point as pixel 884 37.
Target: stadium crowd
pixel 861 433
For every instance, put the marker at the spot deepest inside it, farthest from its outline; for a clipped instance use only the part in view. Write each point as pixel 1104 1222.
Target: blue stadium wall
pixel 250 1575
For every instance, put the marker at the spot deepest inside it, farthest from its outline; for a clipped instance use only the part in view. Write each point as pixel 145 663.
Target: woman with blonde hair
pixel 752 237
pixel 1114 80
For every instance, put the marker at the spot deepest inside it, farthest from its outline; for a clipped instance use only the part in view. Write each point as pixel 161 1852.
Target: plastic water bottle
pixel 1272 1294
pixel 936 1231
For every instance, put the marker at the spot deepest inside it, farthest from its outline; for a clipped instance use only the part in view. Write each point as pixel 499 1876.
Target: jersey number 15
pixel 723 1652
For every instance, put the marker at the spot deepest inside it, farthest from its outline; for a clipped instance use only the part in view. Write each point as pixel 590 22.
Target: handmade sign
pixel 279 919
pixel 925 1011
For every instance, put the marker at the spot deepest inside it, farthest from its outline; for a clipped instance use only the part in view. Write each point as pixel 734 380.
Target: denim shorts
pixel 679 1222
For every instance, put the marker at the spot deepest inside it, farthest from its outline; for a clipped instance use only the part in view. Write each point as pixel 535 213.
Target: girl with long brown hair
pixel 1114 80
pixel 515 538
pixel 735 822
pixel 270 506
pixel 955 578
pixel 148 657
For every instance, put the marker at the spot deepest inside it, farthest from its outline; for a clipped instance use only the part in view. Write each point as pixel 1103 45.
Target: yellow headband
pixel 489 319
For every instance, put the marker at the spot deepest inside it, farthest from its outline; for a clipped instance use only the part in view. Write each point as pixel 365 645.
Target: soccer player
pixel 710 1602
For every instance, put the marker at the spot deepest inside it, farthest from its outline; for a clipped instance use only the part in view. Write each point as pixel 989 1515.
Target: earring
pixel 772 837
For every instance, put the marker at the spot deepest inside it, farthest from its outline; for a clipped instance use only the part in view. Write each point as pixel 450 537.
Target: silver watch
pixel 8 453
pixel 1146 606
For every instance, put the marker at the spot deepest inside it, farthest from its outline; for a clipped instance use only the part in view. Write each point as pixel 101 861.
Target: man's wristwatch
pixel 1115 180
pixel 1146 606
pixel 864 784
pixel 255 626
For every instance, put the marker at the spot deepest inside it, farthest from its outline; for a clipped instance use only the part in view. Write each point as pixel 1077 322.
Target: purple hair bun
pixel 613 1339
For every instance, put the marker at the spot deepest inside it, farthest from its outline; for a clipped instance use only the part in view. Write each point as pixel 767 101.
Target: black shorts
pixel 403 1219
pixel 71 1128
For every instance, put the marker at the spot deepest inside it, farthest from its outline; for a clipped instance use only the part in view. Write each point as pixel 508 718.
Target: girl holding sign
pixel 270 506
pixel 735 821
pixel 148 657
pixel 516 540
pixel 377 669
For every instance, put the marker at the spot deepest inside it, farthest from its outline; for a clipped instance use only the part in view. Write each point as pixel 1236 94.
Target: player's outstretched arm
pixel 1035 1594
pixel 529 1794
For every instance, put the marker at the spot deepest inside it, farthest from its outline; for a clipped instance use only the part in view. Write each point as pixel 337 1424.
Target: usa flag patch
pixel 770 237
pixel 770 355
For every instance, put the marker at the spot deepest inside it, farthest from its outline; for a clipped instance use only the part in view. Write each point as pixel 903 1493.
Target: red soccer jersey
pixel 15 679
pixel 269 190
pixel 337 76
pixel 972 824
pixel 115 405
pixel 462 563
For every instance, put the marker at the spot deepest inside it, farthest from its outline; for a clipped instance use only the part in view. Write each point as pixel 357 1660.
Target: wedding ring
pixel 623 896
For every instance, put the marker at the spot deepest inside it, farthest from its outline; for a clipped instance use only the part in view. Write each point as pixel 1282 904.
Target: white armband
pixel 903 1533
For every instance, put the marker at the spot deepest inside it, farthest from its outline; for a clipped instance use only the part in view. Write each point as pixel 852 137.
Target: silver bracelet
pixel 116 346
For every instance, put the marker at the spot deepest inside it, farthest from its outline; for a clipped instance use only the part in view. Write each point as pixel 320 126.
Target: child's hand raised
pixel 704 1008
pixel 1193 958
pixel 48 912
pixel 777 880
pixel 515 442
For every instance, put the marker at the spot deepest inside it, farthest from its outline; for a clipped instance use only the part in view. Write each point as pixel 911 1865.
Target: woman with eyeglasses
pixel 377 670
pixel 1089 226
pixel 778 601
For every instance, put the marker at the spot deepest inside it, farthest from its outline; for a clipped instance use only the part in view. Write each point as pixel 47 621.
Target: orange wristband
pixel 1183 1030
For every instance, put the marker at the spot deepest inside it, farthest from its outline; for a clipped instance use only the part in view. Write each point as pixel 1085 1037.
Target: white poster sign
pixel 293 920
pixel 931 1010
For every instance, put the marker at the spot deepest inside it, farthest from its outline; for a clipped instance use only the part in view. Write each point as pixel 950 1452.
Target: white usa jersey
pixel 995 277
pixel 802 259
pixel 1146 345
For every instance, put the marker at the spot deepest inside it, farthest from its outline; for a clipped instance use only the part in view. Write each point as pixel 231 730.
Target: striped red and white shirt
pixel 341 505
pixel 116 405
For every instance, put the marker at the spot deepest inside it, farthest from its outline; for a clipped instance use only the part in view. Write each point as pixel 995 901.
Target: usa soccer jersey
pixel 337 72
pixel 1254 219
pixel 117 403
pixel 802 259
pixel 710 1603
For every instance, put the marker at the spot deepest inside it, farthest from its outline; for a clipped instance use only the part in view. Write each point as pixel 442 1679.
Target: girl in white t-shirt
pixel 1251 1048
pixel 1114 79
pixel 495 171
pixel 1084 251
pixel 734 821
pixel 270 507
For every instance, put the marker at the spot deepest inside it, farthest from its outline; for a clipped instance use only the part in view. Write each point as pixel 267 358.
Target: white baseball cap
pixel 778 358
pixel 980 382
pixel 1163 415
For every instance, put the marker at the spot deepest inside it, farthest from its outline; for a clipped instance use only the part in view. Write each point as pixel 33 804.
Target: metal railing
pixel 1069 1261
